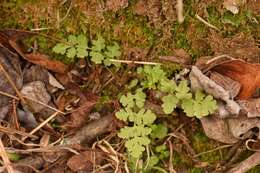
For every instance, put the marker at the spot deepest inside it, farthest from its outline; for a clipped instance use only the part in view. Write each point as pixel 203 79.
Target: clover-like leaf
pixel 99 44
pixel 123 114
pixel 136 146
pixel 148 117
pixel 199 107
pixel 167 86
pixel 127 100
pixel 159 131
pixel 113 51
pixel 81 52
pixel 71 52
pixel 82 41
pixel 187 106
pixel 153 75
pixel 72 39
pixel 96 57
pixel 169 103
pixel 60 48
pixel 140 98
pixel 183 91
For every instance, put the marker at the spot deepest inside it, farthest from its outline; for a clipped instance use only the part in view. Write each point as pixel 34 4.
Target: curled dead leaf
pixel 44 61
pixel 247 74
pixel 85 161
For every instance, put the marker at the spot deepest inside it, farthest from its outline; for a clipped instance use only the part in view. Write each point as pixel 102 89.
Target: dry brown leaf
pixel 217 129
pixel 44 61
pixel 233 87
pixel 37 91
pixel 85 161
pixel 116 5
pixel 251 107
pixel 247 74
pixel 12 39
pixel 11 64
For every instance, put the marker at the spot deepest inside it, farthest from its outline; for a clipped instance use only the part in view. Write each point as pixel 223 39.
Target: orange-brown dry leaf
pixel 44 61
pixel 247 74
pixel 85 161
pixel 12 39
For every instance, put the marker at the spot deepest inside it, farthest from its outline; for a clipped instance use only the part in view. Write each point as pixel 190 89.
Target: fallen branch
pixel 90 131
pixel 247 164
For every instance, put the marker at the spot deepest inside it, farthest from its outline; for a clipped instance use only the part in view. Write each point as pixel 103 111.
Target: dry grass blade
pixel 215 149
pixel 134 62
pixel 44 123
pixel 171 169
pixel 206 23
pixel 12 83
pixel 13 131
pixel 36 101
pixel 179 8
pixel 5 158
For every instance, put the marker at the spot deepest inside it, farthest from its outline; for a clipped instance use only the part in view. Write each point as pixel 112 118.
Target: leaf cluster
pixel 153 77
pixel 141 126
pixel 80 47
pixel 137 135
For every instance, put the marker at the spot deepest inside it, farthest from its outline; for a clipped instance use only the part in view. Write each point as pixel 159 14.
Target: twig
pixel 134 62
pixel 12 83
pixel 126 167
pixel 52 108
pixel 248 147
pixel 36 101
pixel 13 131
pixel 171 169
pixel 44 123
pixel 206 23
pixel 219 57
pixel 40 29
pixel 247 164
pixel 113 155
pixel 90 131
pixel 5 158
pixel 179 8
pixel 215 149
pixel 68 11
pixel 14 115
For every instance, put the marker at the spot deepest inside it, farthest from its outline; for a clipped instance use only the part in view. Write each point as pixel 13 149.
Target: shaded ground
pixel 145 30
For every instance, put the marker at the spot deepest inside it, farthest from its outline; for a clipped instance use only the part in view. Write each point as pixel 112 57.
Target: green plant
pixel 151 164
pixel 137 134
pixel 199 105
pixel 162 151
pixel 77 47
pixel 141 127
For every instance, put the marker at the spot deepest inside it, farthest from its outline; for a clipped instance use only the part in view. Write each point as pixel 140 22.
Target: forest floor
pixel 94 88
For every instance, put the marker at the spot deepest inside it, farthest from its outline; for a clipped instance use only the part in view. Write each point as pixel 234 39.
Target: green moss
pixel 254 170
pixel 195 170
pixel 201 143
pixel 214 17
